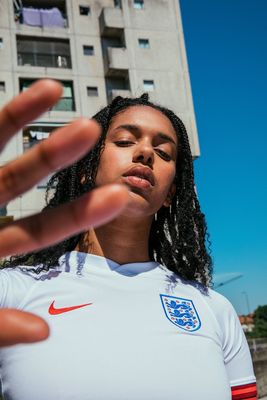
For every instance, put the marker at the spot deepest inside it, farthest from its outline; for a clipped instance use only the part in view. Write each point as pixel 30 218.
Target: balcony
pixel 116 61
pixel 118 92
pixel 117 86
pixel 43 52
pixel 110 21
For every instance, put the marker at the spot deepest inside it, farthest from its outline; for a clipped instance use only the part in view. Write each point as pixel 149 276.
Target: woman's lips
pixel 136 181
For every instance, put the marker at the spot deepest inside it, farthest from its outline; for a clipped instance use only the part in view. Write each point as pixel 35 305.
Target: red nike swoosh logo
pixel 54 311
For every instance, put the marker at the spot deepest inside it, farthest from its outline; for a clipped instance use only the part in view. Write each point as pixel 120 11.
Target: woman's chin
pixel 138 206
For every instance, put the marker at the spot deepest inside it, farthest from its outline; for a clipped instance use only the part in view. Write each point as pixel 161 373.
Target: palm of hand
pixel 64 147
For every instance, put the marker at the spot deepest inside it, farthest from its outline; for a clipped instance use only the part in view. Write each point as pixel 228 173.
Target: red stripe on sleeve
pixel 244 392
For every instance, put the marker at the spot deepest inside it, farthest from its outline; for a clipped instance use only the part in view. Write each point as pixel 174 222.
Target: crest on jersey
pixel 181 312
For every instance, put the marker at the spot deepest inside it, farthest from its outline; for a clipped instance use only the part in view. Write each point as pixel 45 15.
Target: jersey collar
pixel 79 262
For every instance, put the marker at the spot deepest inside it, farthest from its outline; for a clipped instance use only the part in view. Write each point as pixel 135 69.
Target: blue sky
pixel 226 43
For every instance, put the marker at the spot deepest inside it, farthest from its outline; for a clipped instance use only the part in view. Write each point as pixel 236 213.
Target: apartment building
pixel 97 50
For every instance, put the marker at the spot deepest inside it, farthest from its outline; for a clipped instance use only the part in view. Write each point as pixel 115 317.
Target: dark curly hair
pixel 178 235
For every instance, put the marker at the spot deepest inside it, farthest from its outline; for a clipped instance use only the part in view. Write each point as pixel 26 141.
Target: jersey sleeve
pixel 237 356
pixel 236 353
pixel 14 285
pixel 242 392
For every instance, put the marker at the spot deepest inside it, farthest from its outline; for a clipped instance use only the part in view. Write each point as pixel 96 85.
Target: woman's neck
pixel 122 240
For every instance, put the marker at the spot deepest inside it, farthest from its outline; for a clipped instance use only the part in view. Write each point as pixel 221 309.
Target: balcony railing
pixel 44 60
pixel 116 61
pixel 111 21
pixel 118 92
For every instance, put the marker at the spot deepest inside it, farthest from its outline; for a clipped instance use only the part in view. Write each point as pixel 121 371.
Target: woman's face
pixel 140 151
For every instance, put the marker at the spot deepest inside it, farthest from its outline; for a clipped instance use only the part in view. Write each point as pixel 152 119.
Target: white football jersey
pixel 122 332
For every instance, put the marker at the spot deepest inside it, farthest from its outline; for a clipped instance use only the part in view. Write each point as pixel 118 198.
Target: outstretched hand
pixel 64 147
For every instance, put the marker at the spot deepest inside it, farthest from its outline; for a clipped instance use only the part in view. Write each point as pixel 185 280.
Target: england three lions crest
pixel 181 312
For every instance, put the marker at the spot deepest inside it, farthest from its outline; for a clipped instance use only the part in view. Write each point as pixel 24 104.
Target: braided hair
pixel 178 234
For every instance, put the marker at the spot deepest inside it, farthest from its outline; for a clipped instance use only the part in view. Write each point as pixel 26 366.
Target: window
pixel 3 211
pixel 36 133
pixel 148 85
pixel 1 43
pixel 92 91
pixel 88 50
pixel 117 3
pixel 66 103
pixel 25 83
pixel 6 218
pixel 85 10
pixel 43 52
pixel 143 43
pixel 138 4
pixel 2 87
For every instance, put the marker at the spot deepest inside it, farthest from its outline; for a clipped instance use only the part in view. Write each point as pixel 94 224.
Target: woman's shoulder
pixel 215 301
pixel 16 282
pixel 218 302
pixel 223 312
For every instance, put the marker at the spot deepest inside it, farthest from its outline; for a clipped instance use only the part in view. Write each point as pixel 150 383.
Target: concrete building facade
pixel 98 50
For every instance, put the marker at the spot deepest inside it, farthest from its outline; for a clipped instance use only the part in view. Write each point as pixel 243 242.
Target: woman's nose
pixel 144 154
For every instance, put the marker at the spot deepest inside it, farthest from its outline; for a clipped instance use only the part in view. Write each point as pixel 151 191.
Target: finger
pixel 21 327
pixel 92 209
pixel 65 146
pixel 27 106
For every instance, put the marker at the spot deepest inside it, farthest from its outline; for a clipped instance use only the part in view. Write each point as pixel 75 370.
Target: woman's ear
pixel 170 195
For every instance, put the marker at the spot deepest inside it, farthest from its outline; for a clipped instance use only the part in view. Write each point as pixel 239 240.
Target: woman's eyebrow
pixel 136 130
pixel 129 127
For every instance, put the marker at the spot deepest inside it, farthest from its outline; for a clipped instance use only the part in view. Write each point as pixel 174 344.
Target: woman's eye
pixel 164 155
pixel 123 143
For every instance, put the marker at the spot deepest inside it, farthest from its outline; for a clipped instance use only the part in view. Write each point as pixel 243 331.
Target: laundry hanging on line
pixel 43 17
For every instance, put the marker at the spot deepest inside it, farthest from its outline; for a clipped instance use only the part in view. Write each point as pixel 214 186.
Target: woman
pixel 128 302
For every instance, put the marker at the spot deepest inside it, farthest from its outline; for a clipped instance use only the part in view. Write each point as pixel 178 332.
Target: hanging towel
pixel 52 17
pixel 31 16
